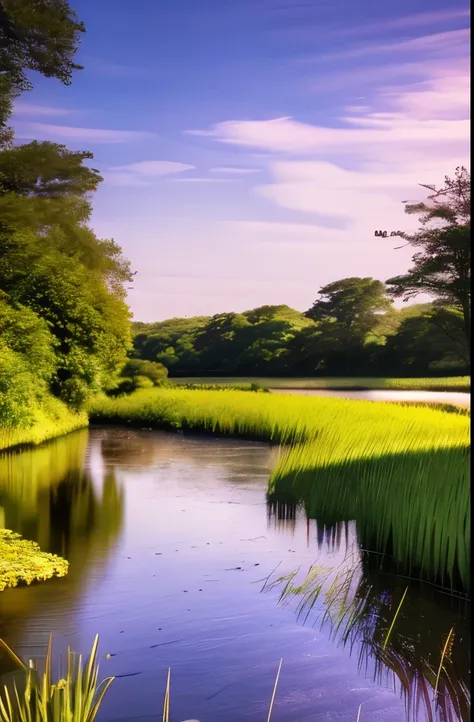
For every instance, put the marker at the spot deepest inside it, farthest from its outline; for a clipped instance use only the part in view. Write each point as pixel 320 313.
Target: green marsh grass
pixel 448 383
pixel 402 472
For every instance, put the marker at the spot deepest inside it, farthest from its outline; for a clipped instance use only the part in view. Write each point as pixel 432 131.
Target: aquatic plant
pixel 31 696
pixel 23 562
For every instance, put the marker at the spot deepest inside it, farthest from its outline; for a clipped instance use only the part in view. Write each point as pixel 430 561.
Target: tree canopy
pixel 442 262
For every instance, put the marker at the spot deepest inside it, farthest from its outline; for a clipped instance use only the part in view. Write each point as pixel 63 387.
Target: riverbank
pixel 448 383
pixel 49 420
pixel 403 469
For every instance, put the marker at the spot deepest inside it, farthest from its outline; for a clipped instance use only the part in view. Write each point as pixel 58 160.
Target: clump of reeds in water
pixel 31 696
pixel 371 622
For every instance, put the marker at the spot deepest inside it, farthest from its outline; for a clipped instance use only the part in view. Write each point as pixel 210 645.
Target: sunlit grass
pixel 23 562
pixel 401 472
pixel 50 420
pixel 448 383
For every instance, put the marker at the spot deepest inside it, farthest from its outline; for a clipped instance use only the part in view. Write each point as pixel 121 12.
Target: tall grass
pixel 448 383
pixel 53 418
pixel 402 472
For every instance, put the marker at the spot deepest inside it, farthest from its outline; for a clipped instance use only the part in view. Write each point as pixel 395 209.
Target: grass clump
pixel 23 562
pixel 401 472
pixel 31 696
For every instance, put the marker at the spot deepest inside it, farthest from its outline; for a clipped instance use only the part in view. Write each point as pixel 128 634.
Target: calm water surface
pixel 457 398
pixel 170 540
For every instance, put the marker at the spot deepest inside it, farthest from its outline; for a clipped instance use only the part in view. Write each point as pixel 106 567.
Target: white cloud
pixel 154 167
pixel 90 135
pixel 38 110
pixel 235 171
pixel 286 135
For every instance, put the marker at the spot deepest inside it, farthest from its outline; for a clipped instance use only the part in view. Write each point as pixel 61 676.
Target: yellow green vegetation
pixel 448 383
pixel 47 419
pixel 23 562
pixel 402 472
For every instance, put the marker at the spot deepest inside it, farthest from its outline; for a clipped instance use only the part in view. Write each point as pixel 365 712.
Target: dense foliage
pixel 64 322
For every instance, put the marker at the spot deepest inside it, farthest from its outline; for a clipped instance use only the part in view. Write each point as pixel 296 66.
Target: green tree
pixel 52 263
pixel 442 265
pixel 35 35
pixel 346 312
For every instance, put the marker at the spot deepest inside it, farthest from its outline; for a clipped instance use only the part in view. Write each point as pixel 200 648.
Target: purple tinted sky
pixel 251 148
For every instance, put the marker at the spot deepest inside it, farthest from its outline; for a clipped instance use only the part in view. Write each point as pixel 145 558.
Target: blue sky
pixel 250 148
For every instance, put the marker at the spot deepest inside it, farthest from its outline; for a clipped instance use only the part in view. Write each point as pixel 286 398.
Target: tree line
pixel 352 329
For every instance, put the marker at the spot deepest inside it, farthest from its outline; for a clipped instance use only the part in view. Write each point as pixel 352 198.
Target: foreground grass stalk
pixel 272 701
pixel 394 619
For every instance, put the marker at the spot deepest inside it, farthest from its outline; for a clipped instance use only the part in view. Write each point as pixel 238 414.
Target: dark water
pixel 170 540
pixel 456 398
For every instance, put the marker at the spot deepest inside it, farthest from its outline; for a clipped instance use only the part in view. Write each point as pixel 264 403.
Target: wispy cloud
pixel 406 22
pixel 438 43
pixel 235 171
pixel 29 109
pixel 91 135
pixel 154 167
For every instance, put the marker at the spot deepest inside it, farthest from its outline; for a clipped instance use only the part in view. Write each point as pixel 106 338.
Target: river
pixel 455 398
pixel 170 541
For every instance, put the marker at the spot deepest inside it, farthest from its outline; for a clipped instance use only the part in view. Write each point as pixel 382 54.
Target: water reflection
pixel 169 538
pixel 50 496
pixel 411 648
